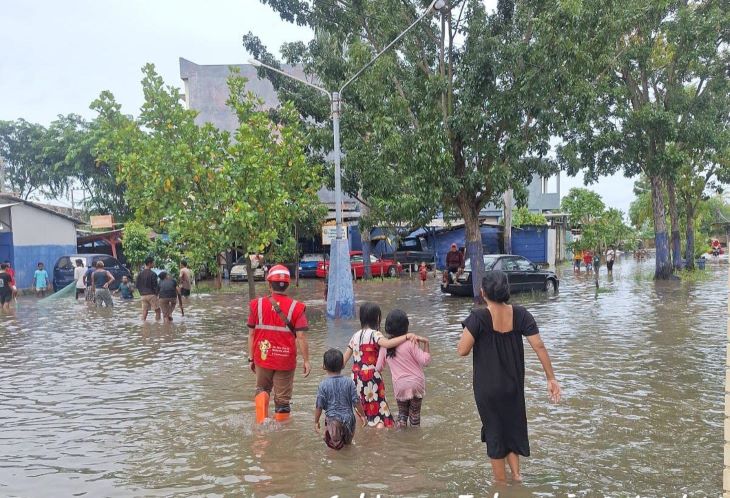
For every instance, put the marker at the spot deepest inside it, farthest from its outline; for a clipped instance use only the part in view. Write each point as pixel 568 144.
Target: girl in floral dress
pixel 364 348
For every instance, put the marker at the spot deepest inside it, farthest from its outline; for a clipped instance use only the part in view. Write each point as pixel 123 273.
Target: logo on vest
pixel 264 347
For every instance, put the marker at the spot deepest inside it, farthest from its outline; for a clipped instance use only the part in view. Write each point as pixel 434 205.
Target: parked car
pixel 523 275
pixel 309 263
pixel 239 273
pixel 413 251
pixel 378 266
pixel 63 270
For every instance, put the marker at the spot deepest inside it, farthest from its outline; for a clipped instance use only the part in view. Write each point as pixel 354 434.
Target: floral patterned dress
pixel 369 383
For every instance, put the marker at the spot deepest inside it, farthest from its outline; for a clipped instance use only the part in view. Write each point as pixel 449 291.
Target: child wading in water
pixel 423 273
pixel 364 348
pixel 337 396
pixel 406 364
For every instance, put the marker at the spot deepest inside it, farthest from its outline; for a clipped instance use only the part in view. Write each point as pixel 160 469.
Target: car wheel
pixel 392 271
pixel 551 286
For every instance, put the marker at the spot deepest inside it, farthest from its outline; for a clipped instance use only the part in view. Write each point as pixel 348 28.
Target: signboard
pixel 329 233
pixel 102 221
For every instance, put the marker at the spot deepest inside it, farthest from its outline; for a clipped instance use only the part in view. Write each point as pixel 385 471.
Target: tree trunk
pixel 674 218
pixel 474 249
pixel 508 222
pixel 365 237
pixel 663 269
pixel 690 249
pixel 250 278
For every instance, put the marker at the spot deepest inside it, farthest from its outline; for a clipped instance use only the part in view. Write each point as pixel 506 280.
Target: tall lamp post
pixel 340 296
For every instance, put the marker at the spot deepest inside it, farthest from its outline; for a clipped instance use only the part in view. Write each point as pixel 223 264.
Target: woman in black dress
pixel 495 333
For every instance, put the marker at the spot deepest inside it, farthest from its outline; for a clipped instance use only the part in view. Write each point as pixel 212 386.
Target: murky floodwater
pixel 96 404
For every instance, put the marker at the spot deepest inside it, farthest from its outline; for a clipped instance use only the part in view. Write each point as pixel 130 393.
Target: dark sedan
pixel 522 273
pixel 63 270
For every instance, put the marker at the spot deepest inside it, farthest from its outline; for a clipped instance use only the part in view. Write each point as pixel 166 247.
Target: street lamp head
pixel 438 4
pixel 256 63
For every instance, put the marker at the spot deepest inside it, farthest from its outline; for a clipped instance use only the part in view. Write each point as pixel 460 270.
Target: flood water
pixel 97 404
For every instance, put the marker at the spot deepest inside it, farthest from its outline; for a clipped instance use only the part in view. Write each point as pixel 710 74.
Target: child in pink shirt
pixel 406 363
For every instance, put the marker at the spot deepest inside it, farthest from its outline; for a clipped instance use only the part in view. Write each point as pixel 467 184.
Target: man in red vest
pixel 277 324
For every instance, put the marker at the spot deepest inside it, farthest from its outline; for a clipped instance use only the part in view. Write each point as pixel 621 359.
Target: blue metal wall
pixel 28 257
pixel 444 239
pixel 530 242
pixel 6 248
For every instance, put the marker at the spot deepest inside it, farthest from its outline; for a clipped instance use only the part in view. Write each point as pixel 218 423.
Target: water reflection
pixel 96 402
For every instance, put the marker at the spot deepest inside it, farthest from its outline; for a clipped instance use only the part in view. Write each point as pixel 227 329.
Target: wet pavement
pixel 94 403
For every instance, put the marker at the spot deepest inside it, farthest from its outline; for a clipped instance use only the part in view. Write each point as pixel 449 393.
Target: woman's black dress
pixel 499 380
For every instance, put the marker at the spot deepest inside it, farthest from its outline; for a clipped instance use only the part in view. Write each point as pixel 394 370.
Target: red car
pixel 385 267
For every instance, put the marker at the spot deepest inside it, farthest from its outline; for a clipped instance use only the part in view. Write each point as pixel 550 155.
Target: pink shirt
pixel 406 368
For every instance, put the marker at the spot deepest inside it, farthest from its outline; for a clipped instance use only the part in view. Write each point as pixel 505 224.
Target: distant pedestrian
pixel 588 260
pixel 186 279
pixel 610 258
pixel 337 397
pixel 577 259
pixel 148 288
pixel 41 282
pixel 102 280
pixel 79 278
pixel 125 289
pixel 168 295
pixel 6 287
pixel 406 363
pixel 423 273
pixel 89 284
pixel 11 272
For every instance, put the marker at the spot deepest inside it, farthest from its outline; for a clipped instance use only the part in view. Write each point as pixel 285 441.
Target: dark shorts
pixel 609 265
pixel 6 296
pixel 185 292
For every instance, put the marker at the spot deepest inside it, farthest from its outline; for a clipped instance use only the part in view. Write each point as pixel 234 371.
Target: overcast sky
pixel 57 57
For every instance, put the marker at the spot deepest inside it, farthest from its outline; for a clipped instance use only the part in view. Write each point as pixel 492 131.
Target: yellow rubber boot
pixel 262 407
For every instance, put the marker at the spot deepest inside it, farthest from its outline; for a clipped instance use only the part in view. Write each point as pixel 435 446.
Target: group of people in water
pixel 158 291
pixel 492 334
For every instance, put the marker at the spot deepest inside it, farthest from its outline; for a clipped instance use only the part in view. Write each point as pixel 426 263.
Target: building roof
pixel 15 200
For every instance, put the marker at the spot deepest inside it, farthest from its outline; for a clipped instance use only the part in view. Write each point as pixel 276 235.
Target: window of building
pixel 549 184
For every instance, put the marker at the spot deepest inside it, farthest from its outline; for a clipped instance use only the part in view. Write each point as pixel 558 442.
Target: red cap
pixel 278 273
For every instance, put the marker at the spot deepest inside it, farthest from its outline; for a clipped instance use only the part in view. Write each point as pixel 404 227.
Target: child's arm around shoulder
pixel 380 365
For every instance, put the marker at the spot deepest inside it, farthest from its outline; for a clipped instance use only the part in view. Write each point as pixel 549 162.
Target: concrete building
pixel 31 233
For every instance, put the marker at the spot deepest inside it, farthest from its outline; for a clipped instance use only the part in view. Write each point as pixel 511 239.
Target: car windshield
pixel 488 262
pixel 313 257
pixel 241 260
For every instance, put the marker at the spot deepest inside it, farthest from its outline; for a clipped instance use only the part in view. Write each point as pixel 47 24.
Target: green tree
pixel 644 58
pixel 136 244
pixel 213 192
pixel 583 206
pixel 523 217
pixel 461 112
pixel 31 160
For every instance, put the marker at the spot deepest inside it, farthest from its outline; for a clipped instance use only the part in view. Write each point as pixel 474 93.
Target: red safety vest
pixel 275 345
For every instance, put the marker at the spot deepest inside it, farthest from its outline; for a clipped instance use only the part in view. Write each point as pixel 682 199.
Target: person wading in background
pixel 102 280
pixel 148 288
pixel 276 331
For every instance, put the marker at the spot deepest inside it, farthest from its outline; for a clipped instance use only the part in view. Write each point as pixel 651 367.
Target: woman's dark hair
pixel 162 275
pixel 333 360
pixel 396 325
pixel 370 315
pixel 496 286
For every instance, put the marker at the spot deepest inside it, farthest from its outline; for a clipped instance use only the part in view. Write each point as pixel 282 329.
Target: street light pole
pixel 340 296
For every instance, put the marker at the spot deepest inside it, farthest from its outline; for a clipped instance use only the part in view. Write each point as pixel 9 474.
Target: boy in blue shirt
pixel 337 396
pixel 41 283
